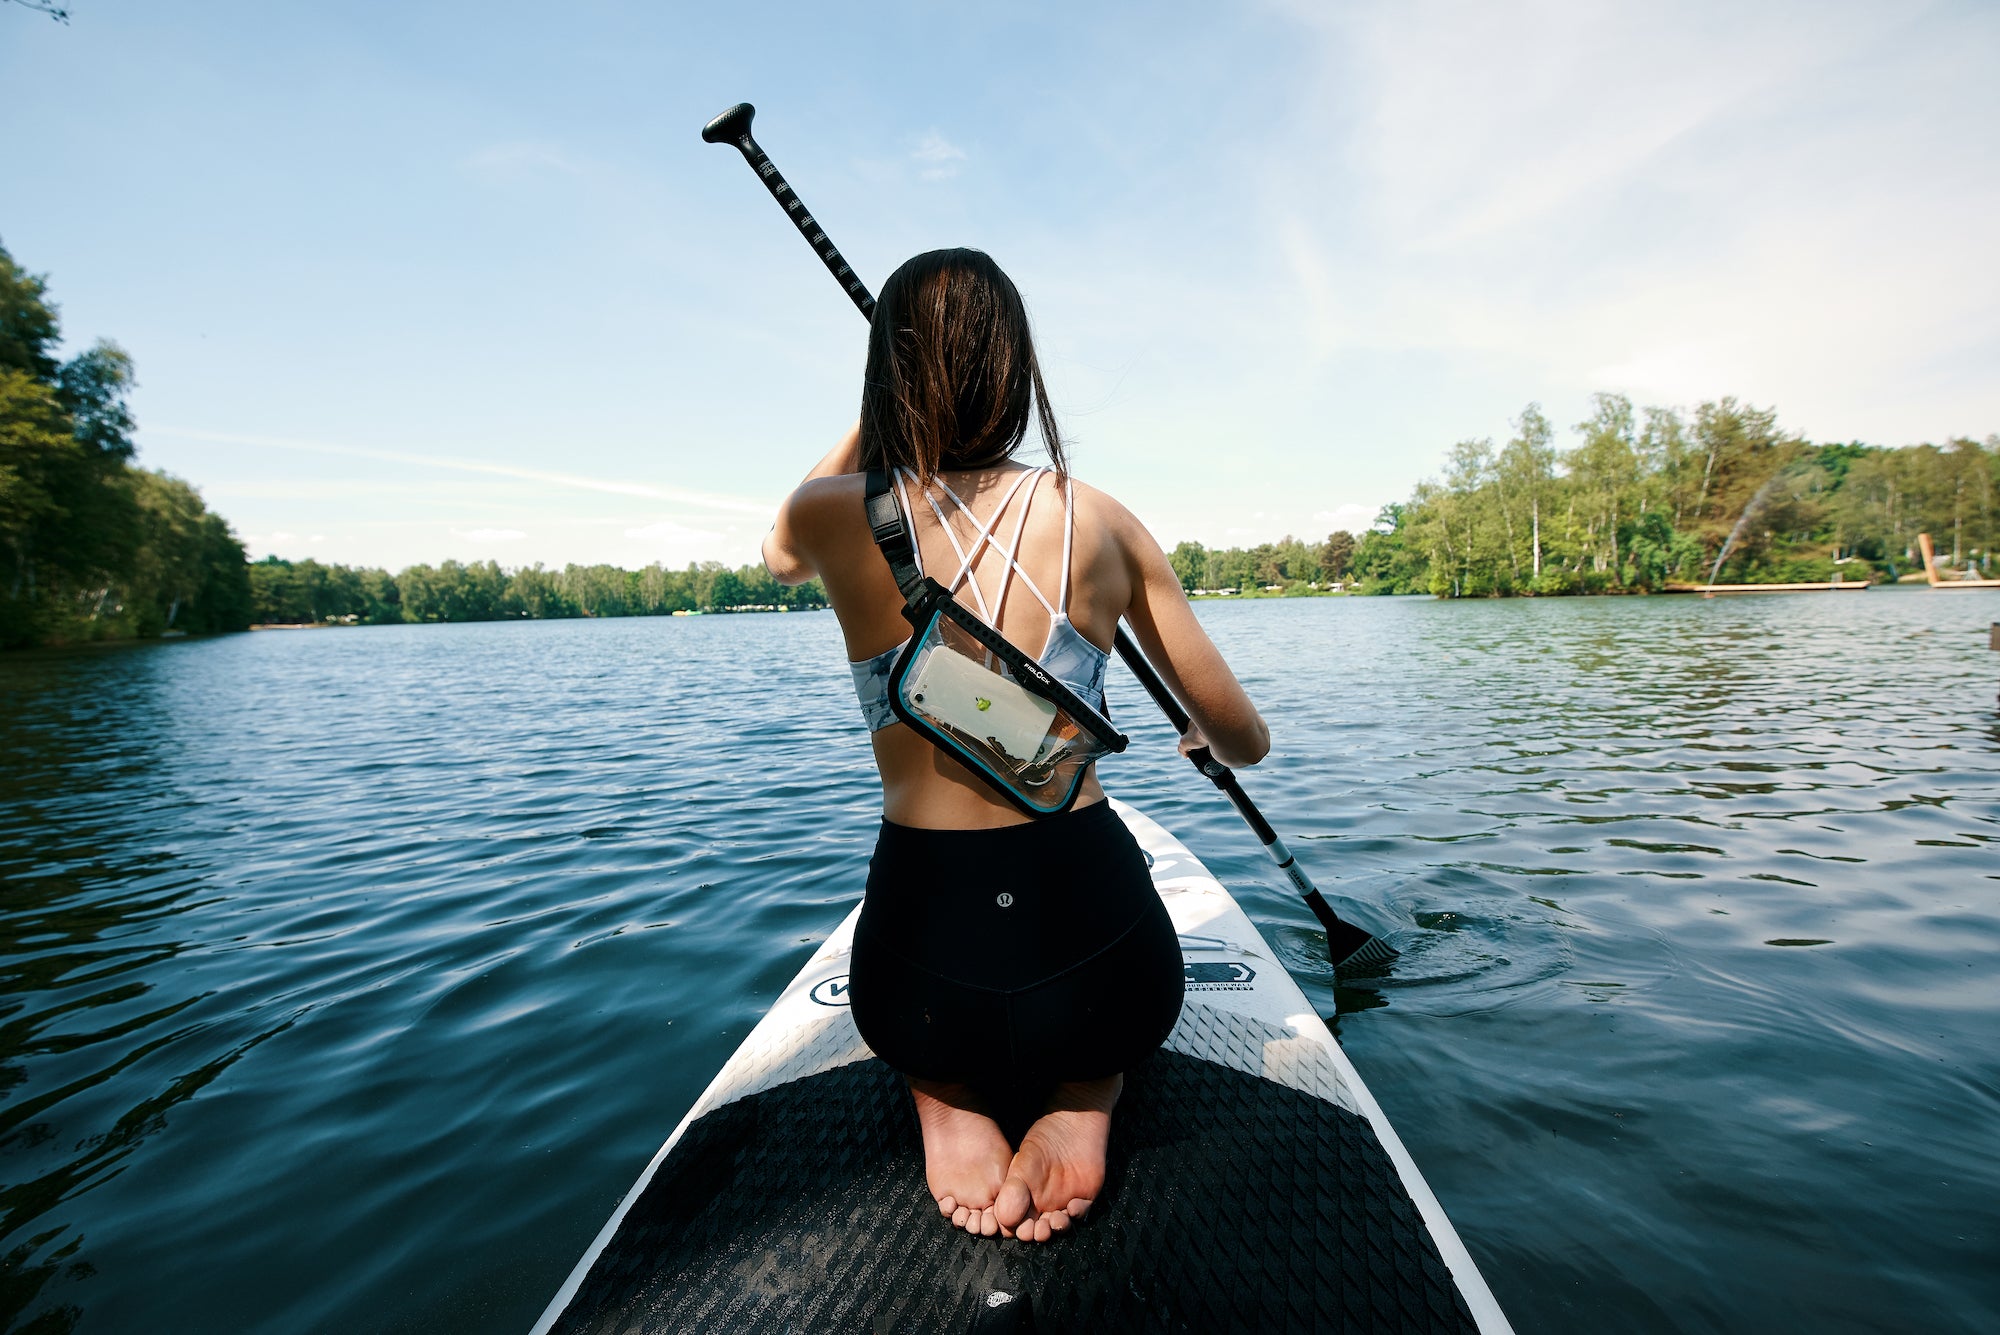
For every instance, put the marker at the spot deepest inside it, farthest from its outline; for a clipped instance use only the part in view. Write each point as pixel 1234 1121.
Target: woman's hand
pixel 1192 740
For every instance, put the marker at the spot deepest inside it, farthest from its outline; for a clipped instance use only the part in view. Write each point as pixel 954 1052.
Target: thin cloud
pixel 489 534
pixel 937 156
pixel 522 157
pixel 1353 518
pixel 1675 203
pixel 666 530
pixel 575 481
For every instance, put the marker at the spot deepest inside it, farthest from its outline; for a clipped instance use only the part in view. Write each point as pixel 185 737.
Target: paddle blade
pixel 1353 948
pixel 1348 946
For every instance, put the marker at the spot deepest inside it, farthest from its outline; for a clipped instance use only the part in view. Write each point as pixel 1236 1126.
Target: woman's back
pixel 1116 571
pixel 1029 515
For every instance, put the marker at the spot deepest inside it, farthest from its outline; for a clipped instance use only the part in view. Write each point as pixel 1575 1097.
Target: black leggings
pixel 1015 958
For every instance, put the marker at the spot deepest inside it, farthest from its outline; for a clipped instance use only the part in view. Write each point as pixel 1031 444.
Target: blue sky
pixel 416 280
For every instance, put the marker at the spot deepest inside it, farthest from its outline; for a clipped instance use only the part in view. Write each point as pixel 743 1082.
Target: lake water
pixel 350 977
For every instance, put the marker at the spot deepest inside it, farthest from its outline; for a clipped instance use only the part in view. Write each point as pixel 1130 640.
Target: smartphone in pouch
pixel 949 687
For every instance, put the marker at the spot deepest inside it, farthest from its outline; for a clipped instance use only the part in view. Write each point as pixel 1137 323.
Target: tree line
pixel 1643 499
pixel 94 547
pixel 306 592
pixel 1288 565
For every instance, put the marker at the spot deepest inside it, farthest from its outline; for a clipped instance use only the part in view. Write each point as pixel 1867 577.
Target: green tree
pixel 1604 480
pixel 92 387
pixel 1740 450
pixel 189 573
pixel 1655 553
pixel 1521 477
pixel 172 564
pixel 29 329
pixel 40 462
pixel 539 593
pixel 1385 560
pixel 1190 561
pixel 663 591
pixel 726 589
pixel 1336 554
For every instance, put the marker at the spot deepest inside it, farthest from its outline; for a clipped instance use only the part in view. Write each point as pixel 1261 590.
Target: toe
pixel 960 1216
pixel 947 1204
pixel 1078 1208
pixel 1014 1203
pixel 1058 1220
pixel 1043 1229
pixel 988 1225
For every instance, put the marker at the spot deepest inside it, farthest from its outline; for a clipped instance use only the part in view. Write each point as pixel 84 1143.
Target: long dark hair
pixel 951 379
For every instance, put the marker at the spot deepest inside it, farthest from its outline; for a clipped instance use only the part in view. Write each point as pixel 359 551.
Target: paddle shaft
pixel 732 127
pixel 1224 778
pixel 1344 939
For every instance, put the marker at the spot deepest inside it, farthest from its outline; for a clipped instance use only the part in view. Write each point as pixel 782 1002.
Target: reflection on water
pixel 349 978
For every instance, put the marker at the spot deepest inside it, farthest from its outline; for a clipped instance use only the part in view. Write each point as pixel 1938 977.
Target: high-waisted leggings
pixel 1014 958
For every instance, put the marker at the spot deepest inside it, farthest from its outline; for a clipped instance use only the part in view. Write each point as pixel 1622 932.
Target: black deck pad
pixel 1233 1204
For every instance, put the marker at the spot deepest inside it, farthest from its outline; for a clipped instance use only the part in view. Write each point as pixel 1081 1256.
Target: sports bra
pixel 1069 657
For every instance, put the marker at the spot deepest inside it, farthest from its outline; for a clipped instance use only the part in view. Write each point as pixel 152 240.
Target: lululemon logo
pixel 1004 900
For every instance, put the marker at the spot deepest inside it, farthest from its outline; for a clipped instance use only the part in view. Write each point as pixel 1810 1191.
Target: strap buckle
pixel 891 533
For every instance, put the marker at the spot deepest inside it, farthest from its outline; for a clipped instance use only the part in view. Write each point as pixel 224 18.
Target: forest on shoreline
pixel 98 548
pixel 1645 500
pixel 95 547
pixel 291 593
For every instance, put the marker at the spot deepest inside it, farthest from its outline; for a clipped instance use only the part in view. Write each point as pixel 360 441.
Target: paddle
pixel 1346 945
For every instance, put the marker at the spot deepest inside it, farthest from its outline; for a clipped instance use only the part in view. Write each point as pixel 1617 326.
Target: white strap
pixel 983 538
pixel 964 561
pixel 1069 529
pixel 1013 550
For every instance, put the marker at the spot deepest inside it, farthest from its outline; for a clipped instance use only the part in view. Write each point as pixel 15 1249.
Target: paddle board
pixel 1253 1184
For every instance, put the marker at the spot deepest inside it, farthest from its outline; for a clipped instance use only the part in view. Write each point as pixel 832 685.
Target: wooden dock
pixel 1713 590
pixel 1940 581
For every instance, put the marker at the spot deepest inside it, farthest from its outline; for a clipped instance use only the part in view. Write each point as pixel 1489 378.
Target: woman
pixel 1000 956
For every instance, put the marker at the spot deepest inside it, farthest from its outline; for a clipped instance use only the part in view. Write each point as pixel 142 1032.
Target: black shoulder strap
pixel 891 533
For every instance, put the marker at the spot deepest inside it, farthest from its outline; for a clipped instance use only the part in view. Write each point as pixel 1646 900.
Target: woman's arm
pixel 785 554
pixel 1187 660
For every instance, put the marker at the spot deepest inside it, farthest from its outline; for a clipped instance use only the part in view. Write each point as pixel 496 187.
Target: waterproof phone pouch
pixel 969 691
pixel 971 698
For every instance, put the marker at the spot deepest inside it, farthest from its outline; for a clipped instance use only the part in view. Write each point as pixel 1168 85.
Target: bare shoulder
pixel 1102 508
pixel 824 505
pixel 1101 511
pixel 843 490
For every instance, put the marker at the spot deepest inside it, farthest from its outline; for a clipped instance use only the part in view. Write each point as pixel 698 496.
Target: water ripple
pixel 347 979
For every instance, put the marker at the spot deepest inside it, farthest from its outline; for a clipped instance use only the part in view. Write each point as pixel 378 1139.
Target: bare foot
pixel 965 1156
pixel 1059 1168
